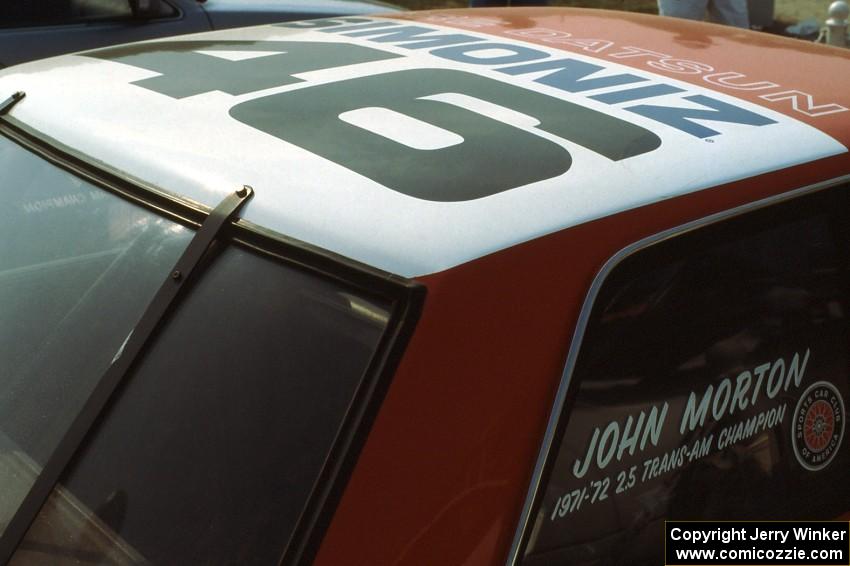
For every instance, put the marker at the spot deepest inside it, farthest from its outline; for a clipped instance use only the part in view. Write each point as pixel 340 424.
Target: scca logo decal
pixel 494 155
pixel 818 426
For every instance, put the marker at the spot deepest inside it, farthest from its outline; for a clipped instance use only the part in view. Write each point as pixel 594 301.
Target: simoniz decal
pixel 564 73
pixel 451 117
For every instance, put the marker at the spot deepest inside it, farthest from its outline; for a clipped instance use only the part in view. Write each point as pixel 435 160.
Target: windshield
pixel 211 448
pixel 78 266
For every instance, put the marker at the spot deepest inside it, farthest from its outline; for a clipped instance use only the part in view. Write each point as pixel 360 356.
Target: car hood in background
pixel 236 13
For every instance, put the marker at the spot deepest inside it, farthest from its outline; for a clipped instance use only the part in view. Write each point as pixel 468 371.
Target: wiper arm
pixel 7 104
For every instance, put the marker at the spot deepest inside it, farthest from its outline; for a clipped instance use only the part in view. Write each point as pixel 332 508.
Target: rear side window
pixel 711 383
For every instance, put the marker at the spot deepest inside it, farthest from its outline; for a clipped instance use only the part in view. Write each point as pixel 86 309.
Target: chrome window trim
pixel 545 452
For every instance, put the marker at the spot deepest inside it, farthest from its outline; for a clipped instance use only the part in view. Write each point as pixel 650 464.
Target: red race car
pixel 491 287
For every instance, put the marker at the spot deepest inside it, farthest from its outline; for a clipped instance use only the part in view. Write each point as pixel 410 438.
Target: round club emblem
pixel 818 425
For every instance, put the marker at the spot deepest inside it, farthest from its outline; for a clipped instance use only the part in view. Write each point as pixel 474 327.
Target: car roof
pixel 656 108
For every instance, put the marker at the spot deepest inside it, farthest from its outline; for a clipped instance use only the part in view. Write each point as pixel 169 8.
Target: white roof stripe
pixel 193 147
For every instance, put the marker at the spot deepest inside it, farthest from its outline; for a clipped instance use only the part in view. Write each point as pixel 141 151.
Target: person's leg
pixel 689 9
pixel 730 12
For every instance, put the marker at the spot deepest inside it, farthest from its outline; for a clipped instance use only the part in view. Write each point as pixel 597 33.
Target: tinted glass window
pixel 211 452
pixel 78 266
pixel 710 384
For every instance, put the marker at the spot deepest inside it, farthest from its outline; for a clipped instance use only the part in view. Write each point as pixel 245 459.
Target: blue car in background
pixel 36 29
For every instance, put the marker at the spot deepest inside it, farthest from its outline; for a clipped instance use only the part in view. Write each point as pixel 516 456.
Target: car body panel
pixel 589 177
pixel 446 470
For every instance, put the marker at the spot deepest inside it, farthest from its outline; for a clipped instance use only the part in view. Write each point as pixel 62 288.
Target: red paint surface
pixel 445 471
